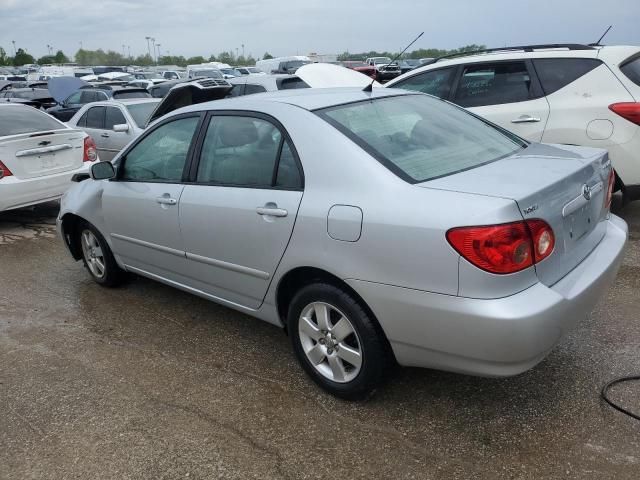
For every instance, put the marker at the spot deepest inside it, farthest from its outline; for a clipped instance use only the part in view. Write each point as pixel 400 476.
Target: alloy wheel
pixel 93 253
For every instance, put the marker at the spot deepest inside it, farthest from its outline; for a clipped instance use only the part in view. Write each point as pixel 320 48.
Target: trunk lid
pixel 33 155
pixel 563 185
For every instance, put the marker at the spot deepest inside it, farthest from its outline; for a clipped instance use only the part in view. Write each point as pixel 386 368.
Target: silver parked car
pixel 373 226
pixel 114 123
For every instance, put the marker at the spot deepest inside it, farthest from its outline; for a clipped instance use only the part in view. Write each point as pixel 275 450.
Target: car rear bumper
pixel 15 193
pixel 497 337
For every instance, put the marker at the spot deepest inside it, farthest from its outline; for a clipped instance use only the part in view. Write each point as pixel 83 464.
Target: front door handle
pixel 105 135
pixel 525 119
pixel 271 211
pixel 166 200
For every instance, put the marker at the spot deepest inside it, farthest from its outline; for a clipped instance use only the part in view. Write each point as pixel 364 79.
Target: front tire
pixel 97 257
pixel 337 342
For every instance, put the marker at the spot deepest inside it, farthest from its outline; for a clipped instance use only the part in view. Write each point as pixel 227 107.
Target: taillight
pixel 90 151
pixel 504 248
pixel 611 183
pixel 628 110
pixel 4 171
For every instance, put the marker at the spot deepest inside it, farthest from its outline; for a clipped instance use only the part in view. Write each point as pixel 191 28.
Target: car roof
pixel 122 102
pixel 305 98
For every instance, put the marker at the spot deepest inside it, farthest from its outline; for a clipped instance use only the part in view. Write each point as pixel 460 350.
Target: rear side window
pixel 493 84
pixel 83 120
pixel 420 138
pixel 88 96
pixel 435 82
pixel 632 70
pixel 556 73
pixel 113 117
pixel 22 119
pixel 247 152
pixel 249 89
pixel 95 117
pixel 291 83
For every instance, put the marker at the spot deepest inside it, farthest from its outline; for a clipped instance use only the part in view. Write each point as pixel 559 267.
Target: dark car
pixel 39 96
pixel 67 109
pixel 409 64
pixel 161 89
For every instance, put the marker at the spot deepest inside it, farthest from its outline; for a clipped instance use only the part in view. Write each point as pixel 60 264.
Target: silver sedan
pixel 375 227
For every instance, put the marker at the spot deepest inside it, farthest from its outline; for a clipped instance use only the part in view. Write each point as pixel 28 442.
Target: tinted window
pixel 113 116
pixel 420 138
pixel 236 91
pixel 74 98
pixel 493 84
pixel 22 119
pixel 100 96
pixel 632 70
pixel 141 112
pixel 435 82
pixel 161 155
pixel 249 89
pixel 239 151
pixel 83 120
pixel 291 83
pixel 288 172
pixel 128 94
pixel 555 73
pixel 88 96
pixel 95 117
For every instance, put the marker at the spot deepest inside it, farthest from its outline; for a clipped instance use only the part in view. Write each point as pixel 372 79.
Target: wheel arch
pixel 69 225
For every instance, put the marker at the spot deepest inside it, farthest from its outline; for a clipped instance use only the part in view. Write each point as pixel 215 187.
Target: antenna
pixel 369 87
pixel 603 35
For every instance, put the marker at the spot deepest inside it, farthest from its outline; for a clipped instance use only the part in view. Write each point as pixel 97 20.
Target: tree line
pixel 113 58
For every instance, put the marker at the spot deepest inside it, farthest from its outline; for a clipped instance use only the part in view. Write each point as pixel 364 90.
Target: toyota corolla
pixel 375 227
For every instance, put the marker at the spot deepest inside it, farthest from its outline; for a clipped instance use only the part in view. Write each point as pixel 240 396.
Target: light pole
pixel 149 48
pixel 14 48
pixel 129 50
pixel 123 49
pixel 243 50
pixel 236 53
pixel 158 47
pixel 80 42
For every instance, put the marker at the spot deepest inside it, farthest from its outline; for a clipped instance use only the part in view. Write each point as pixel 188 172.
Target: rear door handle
pixel 272 211
pixel 525 119
pixel 105 135
pixel 166 200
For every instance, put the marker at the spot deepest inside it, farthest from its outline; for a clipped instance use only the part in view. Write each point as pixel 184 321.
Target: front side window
pixel 88 96
pixel 420 138
pixel 556 73
pixel 161 155
pixel 493 84
pixel 95 118
pixel 244 151
pixel 74 98
pixel 113 116
pixel 435 82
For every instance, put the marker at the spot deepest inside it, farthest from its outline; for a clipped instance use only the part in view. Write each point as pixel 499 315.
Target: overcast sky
pixel 285 27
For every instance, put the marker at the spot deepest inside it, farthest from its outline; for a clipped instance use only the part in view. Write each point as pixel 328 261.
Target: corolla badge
pixel 586 192
pixel 44 143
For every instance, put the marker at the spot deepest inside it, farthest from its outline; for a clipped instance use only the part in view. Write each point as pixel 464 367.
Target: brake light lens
pixel 627 110
pixel 4 171
pixel 504 248
pixel 90 151
pixel 610 185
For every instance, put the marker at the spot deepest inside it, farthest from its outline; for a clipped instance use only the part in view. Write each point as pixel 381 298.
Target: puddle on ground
pixel 28 223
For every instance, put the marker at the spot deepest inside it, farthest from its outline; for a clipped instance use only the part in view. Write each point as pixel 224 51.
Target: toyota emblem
pixel 586 191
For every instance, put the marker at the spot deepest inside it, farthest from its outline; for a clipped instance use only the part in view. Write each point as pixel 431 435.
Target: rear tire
pixel 97 257
pixel 337 342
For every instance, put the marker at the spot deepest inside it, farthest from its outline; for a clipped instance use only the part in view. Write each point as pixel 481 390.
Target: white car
pixel 566 94
pixel 39 155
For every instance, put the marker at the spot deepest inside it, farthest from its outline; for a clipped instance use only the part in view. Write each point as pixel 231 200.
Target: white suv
pixel 570 94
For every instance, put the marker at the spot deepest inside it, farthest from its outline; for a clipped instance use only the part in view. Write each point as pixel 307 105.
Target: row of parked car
pixel 374 223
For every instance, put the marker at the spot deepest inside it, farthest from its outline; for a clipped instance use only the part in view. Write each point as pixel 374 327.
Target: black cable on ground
pixel 605 391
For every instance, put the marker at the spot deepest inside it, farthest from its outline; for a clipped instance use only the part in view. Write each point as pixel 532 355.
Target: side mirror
pixel 122 127
pixel 103 171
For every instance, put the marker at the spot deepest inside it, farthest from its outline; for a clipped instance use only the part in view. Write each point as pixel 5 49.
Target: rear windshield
pixel 419 137
pixel 15 120
pixel 632 70
pixel 141 112
pixel 291 83
pixel 130 94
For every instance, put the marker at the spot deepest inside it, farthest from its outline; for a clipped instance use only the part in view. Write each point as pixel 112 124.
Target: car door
pixel 141 204
pixel 506 93
pixel 238 213
pixel 112 142
pixel 94 126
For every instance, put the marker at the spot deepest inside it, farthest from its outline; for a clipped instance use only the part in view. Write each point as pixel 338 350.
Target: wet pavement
pixel 145 381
